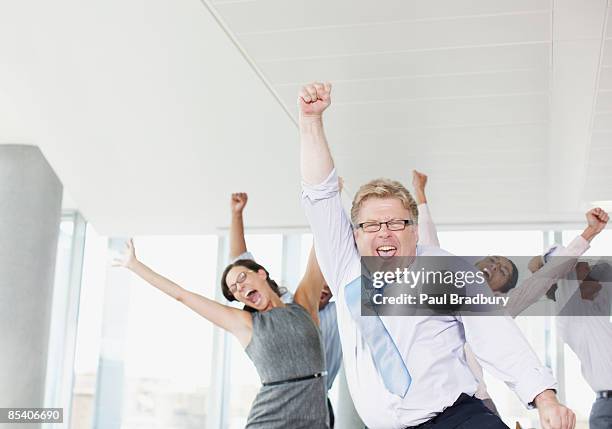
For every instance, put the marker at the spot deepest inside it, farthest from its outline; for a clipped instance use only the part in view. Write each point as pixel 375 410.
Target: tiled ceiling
pixel 460 89
pixel 153 112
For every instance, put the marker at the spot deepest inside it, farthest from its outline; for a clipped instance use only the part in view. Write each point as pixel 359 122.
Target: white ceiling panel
pixel 601 139
pixel 600 178
pixel 602 122
pixel 607 52
pixel 275 15
pixel 604 102
pixel 601 155
pixel 491 174
pixel 483 111
pixel 398 37
pixel 444 166
pixel 437 86
pixel 605 79
pixel 574 19
pixel 423 63
pixel 422 145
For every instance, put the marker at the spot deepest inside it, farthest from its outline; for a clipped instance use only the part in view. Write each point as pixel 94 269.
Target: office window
pixel 167 354
pixel 143 359
pixel 88 329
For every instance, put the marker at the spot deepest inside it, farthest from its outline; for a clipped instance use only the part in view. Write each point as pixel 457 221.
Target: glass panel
pixel 305 246
pixel 60 310
pixel 167 356
pixel 88 329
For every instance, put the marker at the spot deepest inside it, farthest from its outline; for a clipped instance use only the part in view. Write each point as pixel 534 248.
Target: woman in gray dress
pixel 282 340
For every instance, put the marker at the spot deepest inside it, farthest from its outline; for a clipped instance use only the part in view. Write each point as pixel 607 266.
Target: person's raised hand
pixel 597 219
pixel 128 258
pixel 419 180
pixel 313 99
pixel 238 202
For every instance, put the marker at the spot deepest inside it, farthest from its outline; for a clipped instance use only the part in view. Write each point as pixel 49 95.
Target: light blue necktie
pixel 385 354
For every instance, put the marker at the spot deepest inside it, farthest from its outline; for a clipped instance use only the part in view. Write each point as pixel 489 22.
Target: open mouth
pixel 487 273
pixel 252 296
pixel 386 251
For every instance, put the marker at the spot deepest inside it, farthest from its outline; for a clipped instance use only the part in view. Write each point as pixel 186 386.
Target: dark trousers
pixel 601 414
pixel 467 412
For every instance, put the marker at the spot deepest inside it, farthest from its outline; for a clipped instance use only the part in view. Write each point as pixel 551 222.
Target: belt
pixel 604 394
pixel 462 398
pixel 293 380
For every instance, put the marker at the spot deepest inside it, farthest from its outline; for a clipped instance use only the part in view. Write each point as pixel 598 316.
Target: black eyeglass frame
pixel 380 224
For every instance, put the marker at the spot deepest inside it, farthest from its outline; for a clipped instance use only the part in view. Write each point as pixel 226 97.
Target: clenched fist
pixel 554 415
pixel 314 98
pixel 238 202
pixel 597 219
pixel 419 180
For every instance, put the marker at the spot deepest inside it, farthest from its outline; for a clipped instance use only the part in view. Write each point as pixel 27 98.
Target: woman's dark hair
pixel 253 266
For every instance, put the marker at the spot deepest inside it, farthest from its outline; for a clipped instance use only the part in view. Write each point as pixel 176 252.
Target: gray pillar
pixel 30 211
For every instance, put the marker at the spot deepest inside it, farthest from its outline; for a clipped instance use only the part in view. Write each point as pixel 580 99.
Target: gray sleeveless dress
pixel 286 344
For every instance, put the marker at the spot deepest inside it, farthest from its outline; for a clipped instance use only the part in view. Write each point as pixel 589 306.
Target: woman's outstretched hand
pixel 128 258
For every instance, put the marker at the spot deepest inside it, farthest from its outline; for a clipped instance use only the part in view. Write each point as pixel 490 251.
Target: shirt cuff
pixel 324 190
pixel 245 255
pixel 533 382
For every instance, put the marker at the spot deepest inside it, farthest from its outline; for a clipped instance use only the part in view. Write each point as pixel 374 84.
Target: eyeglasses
pixel 239 280
pixel 392 225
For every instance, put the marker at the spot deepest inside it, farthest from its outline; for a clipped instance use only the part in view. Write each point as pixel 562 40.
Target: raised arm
pixel 316 159
pixel 428 234
pixel 562 262
pixel 336 252
pixel 308 292
pixel 237 242
pixel 236 321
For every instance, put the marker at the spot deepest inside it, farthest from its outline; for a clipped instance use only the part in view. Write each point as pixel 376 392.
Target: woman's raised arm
pixel 233 320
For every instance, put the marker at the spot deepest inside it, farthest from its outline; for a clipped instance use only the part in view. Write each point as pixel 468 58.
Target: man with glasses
pixel 405 372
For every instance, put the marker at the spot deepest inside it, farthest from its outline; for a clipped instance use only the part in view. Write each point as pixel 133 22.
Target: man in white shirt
pixel 583 303
pixel 441 386
pixel 531 289
pixel 588 332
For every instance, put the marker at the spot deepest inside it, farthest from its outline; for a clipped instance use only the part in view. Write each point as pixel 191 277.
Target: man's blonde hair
pixel 384 188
